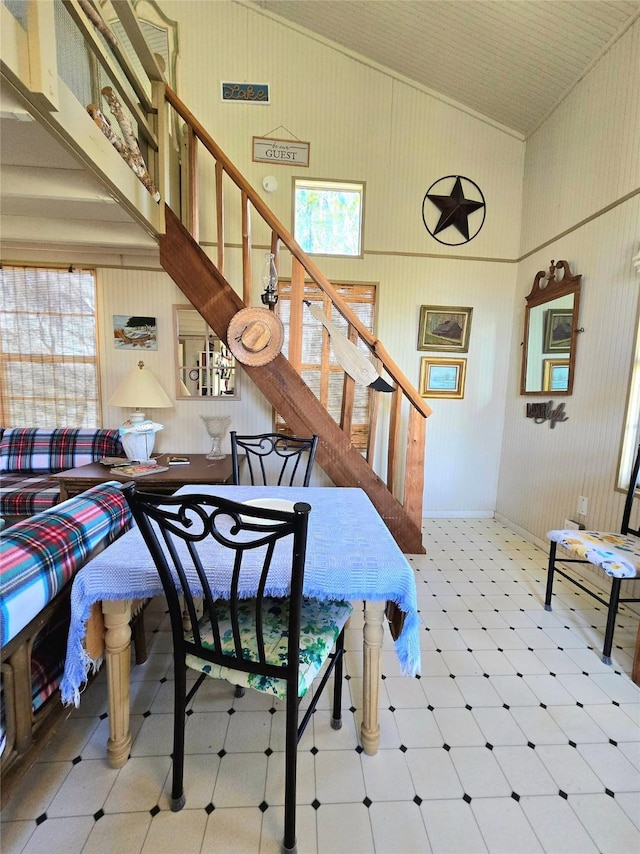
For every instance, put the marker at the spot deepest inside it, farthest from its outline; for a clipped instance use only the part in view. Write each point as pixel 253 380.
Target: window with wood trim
pixel 307 346
pixel 328 216
pixel 48 345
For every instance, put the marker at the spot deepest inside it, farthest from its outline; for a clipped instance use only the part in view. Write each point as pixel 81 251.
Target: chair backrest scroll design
pixel 274 459
pixel 214 548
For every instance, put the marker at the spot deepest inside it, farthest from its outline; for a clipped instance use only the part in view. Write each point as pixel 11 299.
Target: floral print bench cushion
pixel 617 554
pixel 320 626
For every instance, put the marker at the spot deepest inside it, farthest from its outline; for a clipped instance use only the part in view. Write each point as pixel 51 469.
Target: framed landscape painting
pixel 444 327
pixel 441 377
pixel 555 375
pixel 557 330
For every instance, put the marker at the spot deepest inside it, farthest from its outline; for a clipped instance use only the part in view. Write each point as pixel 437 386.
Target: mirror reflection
pixel 205 366
pixel 551 320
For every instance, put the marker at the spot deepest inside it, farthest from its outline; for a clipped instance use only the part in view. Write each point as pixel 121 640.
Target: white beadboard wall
pixel 483 455
pixel 587 154
pixel 362 124
pixel 583 160
pixel 366 125
pixel 154 294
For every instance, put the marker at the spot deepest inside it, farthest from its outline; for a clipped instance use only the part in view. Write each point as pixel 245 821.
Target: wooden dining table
pixel 350 555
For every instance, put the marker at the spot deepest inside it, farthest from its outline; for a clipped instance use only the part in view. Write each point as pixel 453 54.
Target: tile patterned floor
pixel 516 738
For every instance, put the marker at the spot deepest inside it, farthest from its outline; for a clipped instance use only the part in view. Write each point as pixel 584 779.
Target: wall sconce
pixel 269 280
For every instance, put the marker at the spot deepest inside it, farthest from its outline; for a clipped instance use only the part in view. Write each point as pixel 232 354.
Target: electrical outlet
pixel 583 505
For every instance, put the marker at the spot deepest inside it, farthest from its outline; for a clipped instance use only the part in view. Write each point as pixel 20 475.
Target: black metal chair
pixel 243 633
pixel 274 459
pixel 618 555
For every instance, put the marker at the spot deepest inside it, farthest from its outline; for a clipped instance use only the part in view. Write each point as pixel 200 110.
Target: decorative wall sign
pixel 442 377
pixel 286 152
pixel 541 412
pixel 453 207
pixel 443 327
pixel 254 93
pixel 133 332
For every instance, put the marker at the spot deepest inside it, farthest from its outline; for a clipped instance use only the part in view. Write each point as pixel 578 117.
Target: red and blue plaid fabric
pixel 29 450
pixel 40 555
pixel 25 496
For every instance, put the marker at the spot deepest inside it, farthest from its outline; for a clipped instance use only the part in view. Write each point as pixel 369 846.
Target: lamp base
pixel 138 442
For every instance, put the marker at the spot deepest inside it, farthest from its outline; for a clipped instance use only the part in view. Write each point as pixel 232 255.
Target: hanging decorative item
pixel 283 152
pixel 453 207
pixel 269 280
pixel 255 336
pixel 128 148
pixel 354 362
pixel 541 412
pixel 245 93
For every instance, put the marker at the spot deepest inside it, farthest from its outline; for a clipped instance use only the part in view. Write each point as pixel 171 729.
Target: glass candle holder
pixel 217 426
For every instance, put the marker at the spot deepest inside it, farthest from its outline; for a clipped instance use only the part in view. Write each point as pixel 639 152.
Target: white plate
pixel 267 504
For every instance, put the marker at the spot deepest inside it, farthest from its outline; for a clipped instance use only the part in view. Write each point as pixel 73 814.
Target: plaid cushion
pixel 34 450
pixel 25 496
pixel 40 555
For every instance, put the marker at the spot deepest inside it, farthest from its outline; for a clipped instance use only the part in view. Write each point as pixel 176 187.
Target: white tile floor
pixel 516 738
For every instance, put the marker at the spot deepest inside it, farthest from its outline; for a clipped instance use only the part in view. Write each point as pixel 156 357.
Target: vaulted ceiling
pixel 510 60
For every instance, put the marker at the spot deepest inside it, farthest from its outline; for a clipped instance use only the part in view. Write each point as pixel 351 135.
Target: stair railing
pixel 411 463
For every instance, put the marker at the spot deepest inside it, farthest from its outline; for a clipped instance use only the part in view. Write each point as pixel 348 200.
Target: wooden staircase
pixel 399 499
pixel 208 291
pixel 171 139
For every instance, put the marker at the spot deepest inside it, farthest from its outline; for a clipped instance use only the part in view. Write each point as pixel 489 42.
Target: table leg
pixel 373 634
pixel 117 640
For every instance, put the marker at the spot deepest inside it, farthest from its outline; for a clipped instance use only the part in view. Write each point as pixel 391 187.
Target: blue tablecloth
pixel 350 555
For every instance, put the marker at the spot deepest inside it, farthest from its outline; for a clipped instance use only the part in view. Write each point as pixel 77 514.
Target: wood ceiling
pixel 512 61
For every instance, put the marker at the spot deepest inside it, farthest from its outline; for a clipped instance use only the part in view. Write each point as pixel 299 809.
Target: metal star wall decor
pixel 462 210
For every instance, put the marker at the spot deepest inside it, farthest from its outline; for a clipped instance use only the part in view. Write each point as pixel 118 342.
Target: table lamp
pixel 139 389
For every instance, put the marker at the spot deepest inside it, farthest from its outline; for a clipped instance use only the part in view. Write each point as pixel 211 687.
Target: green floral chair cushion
pixel 320 626
pixel 617 554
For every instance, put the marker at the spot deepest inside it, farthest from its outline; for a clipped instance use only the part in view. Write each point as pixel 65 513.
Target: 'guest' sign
pixel 286 152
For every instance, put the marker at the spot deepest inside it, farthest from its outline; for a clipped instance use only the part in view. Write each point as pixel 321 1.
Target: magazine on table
pixel 138 470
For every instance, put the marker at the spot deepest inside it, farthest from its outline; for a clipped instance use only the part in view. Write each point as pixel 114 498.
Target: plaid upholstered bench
pixel 29 456
pixel 39 557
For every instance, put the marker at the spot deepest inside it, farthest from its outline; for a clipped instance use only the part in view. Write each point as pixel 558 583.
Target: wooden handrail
pixel 286 239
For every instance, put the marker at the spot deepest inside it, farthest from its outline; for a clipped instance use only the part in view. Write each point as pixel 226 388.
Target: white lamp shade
pixel 140 390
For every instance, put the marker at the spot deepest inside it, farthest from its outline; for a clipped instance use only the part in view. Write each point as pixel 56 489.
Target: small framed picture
pixel 442 377
pixel 135 332
pixel 555 375
pixel 558 324
pixel 443 327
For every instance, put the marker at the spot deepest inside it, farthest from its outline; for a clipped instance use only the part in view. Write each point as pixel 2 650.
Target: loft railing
pixel 405 457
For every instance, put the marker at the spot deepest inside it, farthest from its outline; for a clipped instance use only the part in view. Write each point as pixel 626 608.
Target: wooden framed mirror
pixel 205 367
pixel 550 332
